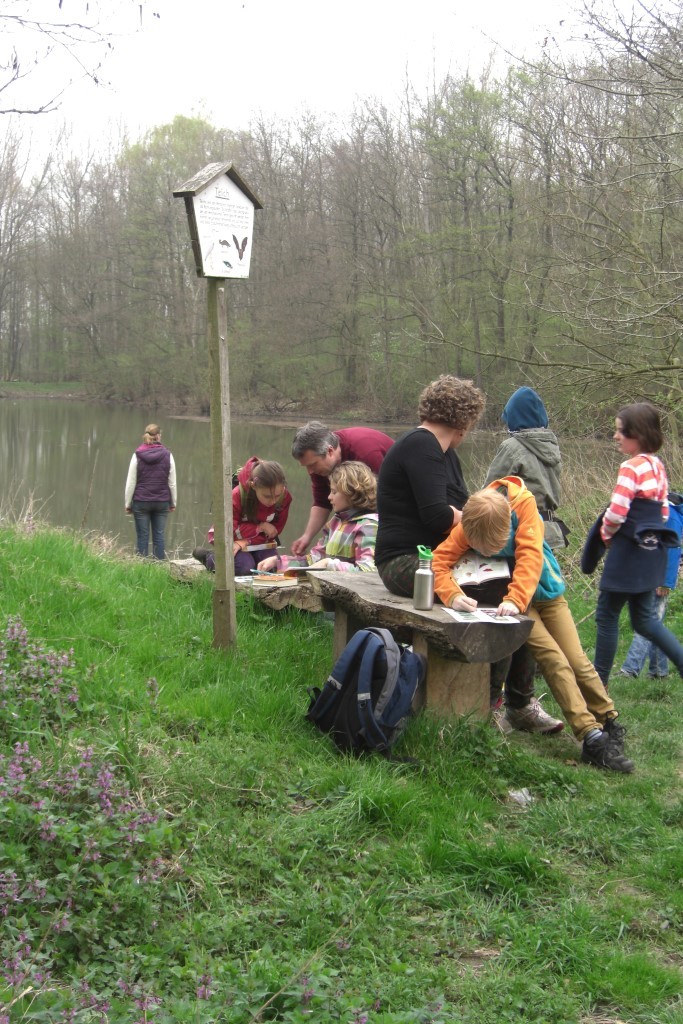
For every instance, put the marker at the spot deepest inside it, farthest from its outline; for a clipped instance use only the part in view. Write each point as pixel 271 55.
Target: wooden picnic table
pixel 459 654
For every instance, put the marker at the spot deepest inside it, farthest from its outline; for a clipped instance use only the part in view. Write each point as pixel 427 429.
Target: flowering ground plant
pixel 83 860
pixel 316 888
pixel 37 685
pixel 83 856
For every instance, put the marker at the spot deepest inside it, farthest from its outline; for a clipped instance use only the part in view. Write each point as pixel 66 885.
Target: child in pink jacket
pixel 260 507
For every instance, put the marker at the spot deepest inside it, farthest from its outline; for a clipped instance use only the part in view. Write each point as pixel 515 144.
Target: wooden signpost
pixel 220 211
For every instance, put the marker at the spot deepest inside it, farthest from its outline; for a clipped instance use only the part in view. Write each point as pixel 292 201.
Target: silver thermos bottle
pixel 423 591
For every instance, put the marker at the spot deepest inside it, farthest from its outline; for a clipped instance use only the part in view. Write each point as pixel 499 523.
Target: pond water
pixel 69 460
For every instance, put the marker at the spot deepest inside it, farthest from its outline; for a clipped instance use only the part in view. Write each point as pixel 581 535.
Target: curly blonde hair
pixel 450 400
pixel 486 520
pixel 357 483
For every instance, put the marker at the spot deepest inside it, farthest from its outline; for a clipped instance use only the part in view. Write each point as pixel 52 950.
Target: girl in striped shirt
pixel 635 533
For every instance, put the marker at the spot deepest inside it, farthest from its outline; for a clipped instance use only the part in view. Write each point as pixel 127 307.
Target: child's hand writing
pixel 268 564
pixel 463 603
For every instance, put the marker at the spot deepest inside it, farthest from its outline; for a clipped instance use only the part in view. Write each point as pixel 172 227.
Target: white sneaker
pixel 499 720
pixel 533 718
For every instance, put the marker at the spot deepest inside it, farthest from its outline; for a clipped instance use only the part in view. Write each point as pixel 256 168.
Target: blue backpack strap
pixel 370 729
pixel 334 685
pixel 393 656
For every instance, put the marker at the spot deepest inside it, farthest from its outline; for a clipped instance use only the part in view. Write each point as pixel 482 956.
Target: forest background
pixel 524 227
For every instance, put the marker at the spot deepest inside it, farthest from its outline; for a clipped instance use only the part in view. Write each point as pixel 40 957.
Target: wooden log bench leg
pixel 453 687
pixel 345 625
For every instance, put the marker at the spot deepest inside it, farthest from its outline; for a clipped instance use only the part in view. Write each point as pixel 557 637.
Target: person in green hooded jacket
pixel 531 452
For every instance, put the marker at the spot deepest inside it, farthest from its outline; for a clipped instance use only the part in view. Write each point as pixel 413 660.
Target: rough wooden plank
pixel 366 601
pixel 302 596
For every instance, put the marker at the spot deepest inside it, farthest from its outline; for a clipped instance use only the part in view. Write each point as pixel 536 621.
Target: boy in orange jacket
pixel 503 520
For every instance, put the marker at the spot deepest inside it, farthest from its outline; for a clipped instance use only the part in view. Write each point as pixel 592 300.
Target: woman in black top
pixel 421 488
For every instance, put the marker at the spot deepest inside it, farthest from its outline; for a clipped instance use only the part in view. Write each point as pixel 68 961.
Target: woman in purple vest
pixel 151 490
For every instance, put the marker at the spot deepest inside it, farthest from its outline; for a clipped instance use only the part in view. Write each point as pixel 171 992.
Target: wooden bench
pixel 302 596
pixel 458 653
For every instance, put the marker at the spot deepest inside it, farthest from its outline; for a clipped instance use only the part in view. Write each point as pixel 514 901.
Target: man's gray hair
pixel 313 437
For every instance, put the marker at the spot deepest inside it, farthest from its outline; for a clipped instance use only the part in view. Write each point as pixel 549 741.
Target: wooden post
pixel 220 211
pixel 224 613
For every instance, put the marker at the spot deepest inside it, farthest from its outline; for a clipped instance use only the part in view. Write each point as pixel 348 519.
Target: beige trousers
pixel 576 686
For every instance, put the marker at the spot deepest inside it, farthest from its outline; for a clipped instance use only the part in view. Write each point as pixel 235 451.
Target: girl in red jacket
pixel 260 507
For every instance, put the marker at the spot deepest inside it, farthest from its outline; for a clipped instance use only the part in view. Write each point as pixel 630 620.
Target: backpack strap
pixel 393 654
pixel 370 728
pixel 371 718
pixel 335 681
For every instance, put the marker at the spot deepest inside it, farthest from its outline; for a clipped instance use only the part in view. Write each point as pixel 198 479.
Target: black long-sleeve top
pixel 417 485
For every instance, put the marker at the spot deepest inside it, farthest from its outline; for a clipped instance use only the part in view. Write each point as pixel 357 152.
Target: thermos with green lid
pixel 423 591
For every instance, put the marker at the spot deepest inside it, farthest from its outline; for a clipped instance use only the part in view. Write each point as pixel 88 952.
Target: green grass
pixel 310 886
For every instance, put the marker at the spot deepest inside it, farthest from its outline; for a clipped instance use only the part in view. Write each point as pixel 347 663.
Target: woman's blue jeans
pixel 641 649
pixel 150 514
pixel 644 621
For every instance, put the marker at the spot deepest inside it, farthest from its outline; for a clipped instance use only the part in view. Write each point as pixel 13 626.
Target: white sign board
pixel 225 228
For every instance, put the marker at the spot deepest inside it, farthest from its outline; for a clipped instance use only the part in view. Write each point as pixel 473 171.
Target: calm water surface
pixel 70 459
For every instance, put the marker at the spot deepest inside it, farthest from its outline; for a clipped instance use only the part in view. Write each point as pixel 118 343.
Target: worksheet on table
pixel 481 615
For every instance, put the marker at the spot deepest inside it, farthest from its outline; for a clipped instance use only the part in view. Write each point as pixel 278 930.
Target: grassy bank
pixel 51 389
pixel 179 845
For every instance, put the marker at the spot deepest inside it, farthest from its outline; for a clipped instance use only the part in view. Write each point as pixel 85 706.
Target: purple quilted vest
pixel 154 465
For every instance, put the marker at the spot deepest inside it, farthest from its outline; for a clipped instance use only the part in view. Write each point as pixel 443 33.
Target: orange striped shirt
pixel 643 476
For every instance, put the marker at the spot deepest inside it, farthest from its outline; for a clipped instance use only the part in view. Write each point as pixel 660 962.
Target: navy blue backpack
pixel 367 700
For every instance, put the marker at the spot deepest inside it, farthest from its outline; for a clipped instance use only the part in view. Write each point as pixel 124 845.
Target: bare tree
pixel 42 51
pixel 18 211
pixel 617 218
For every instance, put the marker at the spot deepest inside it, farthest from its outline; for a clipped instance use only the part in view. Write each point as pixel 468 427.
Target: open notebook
pixel 474 568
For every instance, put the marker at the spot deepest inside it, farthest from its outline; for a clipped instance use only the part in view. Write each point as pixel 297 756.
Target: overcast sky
pixel 232 59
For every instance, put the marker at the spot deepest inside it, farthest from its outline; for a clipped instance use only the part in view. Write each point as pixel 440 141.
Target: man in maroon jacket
pixel 319 450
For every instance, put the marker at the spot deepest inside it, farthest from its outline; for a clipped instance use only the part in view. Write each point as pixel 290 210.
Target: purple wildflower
pixel 204 990
pixel 62 924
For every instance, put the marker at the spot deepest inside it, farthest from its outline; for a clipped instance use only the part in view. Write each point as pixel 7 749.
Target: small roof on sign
pixel 208 174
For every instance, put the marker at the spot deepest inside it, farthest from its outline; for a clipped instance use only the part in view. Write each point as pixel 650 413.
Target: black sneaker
pixel 616 733
pixel 601 752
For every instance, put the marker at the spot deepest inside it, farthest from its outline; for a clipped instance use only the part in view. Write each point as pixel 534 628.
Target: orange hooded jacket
pixel 529 556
